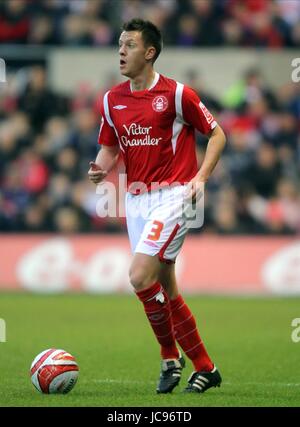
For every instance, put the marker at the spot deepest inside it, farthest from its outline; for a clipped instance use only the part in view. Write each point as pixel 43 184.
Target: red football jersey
pixel 155 129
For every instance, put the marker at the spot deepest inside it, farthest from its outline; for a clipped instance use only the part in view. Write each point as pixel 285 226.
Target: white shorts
pixel 155 222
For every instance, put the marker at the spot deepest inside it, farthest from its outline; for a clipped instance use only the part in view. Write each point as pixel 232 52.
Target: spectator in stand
pixel 34 219
pixel 38 101
pixel 68 220
pixel 195 80
pixel 76 31
pixel 226 220
pixel 265 171
pixel 288 132
pixel 84 135
pixel 14 22
pixel 289 202
pixel 252 87
pixel 208 15
pixel 262 32
pixel 67 163
pixel 42 31
pixel 240 152
pixel 188 31
pixel 34 172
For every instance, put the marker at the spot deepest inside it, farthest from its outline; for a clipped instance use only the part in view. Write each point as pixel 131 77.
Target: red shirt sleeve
pixel 107 134
pixel 195 113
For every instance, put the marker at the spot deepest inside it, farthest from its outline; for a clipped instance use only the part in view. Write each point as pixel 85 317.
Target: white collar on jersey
pixel 155 80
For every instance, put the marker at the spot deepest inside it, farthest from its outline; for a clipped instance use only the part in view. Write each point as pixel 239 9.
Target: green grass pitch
pixel 248 338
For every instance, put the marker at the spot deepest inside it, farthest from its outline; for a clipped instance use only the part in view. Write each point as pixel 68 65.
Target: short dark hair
pixel 150 33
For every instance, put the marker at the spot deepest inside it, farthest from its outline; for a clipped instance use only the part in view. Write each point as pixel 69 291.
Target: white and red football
pixel 54 371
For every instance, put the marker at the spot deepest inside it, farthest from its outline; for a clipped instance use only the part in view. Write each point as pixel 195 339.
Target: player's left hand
pixel 195 189
pixel 95 173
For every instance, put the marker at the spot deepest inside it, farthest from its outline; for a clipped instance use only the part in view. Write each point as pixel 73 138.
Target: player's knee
pixel 137 278
pixel 140 279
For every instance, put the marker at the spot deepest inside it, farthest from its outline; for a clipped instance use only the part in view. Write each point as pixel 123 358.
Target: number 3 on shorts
pixel 155 230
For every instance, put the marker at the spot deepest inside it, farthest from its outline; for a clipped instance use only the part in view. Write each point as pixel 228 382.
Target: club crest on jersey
pixel 160 103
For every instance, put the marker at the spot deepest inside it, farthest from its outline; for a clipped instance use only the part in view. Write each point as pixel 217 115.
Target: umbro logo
pixel 120 107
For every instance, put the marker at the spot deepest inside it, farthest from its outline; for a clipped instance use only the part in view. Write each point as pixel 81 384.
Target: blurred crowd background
pixel 47 139
pixel 267 23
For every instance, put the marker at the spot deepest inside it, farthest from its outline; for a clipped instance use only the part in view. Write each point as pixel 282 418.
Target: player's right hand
pixel 95 173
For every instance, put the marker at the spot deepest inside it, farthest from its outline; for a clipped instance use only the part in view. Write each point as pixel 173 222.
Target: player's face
pixel 133 54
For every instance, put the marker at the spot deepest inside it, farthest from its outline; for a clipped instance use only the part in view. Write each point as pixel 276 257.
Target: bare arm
pixel 214 149
pixel 105 161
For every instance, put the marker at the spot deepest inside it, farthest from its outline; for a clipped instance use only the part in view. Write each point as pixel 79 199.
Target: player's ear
pixel 150 53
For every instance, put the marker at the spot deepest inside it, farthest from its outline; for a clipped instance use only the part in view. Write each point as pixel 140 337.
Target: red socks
pixel 172 320
pixel 187 336
pixel 157 308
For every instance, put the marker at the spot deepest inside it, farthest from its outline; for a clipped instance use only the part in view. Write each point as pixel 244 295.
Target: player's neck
pixel 143 81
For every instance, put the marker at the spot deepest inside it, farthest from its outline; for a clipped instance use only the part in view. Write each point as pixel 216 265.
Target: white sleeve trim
pixel 214 124
pixel 106 110
pixel 178 122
